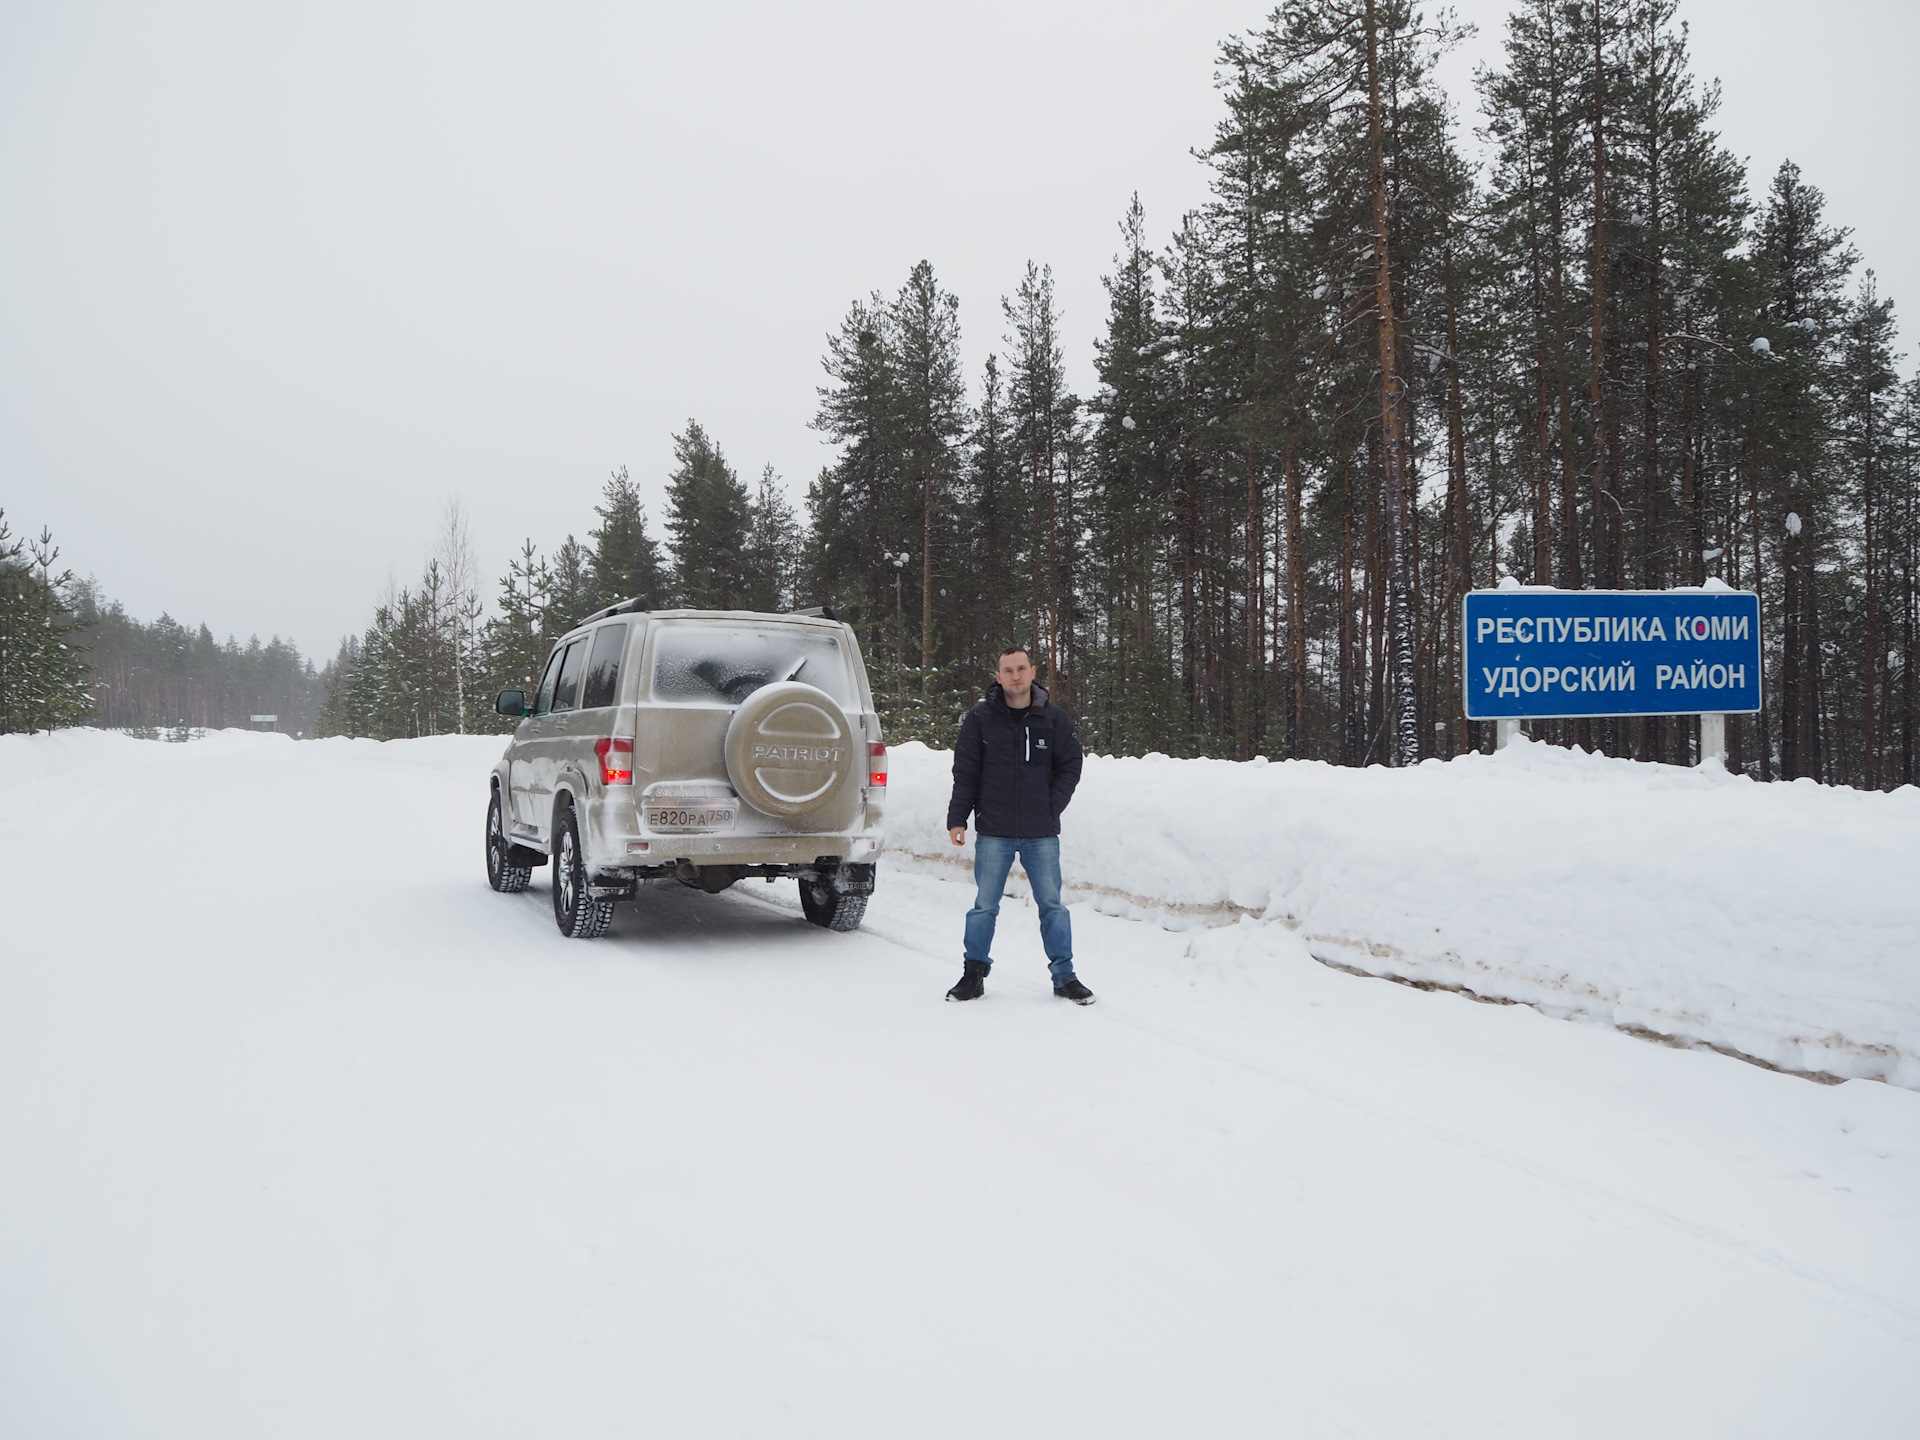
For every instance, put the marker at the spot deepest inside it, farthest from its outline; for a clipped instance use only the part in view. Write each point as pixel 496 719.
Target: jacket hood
pixel 998 696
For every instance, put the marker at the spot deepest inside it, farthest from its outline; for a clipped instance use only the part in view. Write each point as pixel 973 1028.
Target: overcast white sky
pixel 276 281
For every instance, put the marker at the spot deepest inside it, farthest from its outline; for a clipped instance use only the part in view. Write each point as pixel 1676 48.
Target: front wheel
pixel 502 873
pixel 579 915
pixel 829 909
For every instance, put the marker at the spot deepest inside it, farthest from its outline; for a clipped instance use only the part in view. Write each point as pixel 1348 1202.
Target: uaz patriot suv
pixel 698 746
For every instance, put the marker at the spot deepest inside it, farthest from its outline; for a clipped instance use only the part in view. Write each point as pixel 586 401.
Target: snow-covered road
pixel 304 1132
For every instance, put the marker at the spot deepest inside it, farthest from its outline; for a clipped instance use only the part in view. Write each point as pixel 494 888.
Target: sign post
pixel 1537 653
pixel 1713 738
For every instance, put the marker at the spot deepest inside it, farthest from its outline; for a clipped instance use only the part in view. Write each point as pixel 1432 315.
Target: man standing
pixel 1014 769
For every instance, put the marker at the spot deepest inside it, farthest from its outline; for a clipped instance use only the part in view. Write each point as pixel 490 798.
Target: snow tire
pixel 578 914
pixel 503 874
pixel 829 909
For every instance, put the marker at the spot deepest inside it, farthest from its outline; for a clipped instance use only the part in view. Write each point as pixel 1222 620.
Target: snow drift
pixel 1780 922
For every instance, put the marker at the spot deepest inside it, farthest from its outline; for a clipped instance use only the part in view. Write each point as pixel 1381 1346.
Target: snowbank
pixel 1781 922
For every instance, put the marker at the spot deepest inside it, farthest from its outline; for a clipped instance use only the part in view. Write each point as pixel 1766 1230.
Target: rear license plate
pixel 688 818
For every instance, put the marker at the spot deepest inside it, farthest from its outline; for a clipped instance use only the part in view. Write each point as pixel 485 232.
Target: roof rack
pixel 637 605
pixel 825 612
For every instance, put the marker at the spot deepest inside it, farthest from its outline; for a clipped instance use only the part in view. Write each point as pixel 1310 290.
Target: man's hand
pixel 958 834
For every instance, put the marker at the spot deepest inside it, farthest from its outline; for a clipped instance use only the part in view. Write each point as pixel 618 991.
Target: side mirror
pixel 512 702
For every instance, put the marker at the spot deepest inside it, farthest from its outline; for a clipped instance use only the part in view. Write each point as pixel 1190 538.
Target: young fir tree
pixel 626 563
pixel 707 518
pixel 572 594
pixel 515 642
pixel 772 550
pixel 43 672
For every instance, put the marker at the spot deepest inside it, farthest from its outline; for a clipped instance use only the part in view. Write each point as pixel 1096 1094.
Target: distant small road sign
pixel 263 719
pixel 1539 653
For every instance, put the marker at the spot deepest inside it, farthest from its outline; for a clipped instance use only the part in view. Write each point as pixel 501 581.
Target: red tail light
pixel 616 761
pixel 876 763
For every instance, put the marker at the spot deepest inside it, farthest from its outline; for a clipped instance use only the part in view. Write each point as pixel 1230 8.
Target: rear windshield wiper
pixel 798 666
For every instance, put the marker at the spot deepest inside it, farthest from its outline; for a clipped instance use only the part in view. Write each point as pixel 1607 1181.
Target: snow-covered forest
pixel 1415 342
pixel 69 656
pixel 1367 377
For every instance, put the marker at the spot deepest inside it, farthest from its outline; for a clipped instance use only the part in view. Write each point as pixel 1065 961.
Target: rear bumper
pixel 615 839
pixel 738 850
pixel 621 882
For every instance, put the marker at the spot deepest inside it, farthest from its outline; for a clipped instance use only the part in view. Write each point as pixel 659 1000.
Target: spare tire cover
pixel 789 748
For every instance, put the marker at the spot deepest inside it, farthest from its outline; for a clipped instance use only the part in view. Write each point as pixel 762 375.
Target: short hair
pixel 1014 649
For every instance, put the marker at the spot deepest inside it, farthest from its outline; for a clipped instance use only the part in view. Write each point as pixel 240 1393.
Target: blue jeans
pixel 992 859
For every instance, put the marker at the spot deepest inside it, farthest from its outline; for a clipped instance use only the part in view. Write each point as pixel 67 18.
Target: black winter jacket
pixel 1014 770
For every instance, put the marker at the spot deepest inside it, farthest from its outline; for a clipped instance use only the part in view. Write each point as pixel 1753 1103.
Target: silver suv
pixel 698 747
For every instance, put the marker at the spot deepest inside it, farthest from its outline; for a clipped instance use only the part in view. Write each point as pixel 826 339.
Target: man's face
pixel 1015 674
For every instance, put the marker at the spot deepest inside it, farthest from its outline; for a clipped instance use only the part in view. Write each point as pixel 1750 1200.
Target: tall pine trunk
pixel 1256 640
pixel 1458 576
pixel 1571 567
pixel 926 576
pixel 1189 631
pixel 1297 612
pixel 1405 740
pixel 1606 505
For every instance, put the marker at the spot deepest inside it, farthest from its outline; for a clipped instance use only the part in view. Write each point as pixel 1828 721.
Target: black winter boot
pixel 973 982
pixel 1071 989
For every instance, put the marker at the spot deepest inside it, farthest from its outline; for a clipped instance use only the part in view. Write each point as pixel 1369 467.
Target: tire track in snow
pixel 1630 1212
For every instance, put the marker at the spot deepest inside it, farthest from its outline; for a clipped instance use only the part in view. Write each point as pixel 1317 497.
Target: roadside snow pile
pixel 1781 922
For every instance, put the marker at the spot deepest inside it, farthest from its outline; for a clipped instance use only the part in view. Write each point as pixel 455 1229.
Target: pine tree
pixel 929 422
pixel 1043 414
pixel 626 562
pixel 1532 110
pixel 707 518
pixel 1902 547
pixel 1131 503
pixel 43 672
pixel 772 550
pixel 517 640
pixel 1804 264
pixel 572 595
pixel 990 519
pixel 852 505
pixel 337 714
pixel 1865 390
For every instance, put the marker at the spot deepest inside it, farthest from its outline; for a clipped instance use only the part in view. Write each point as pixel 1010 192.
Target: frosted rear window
pixel 723 664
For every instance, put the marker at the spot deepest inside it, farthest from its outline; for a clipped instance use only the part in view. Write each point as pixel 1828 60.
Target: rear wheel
pixel 579 915
pixel 502 873
pixel 829 909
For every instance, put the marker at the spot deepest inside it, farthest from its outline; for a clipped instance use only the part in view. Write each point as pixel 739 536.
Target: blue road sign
pixel 1539 653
